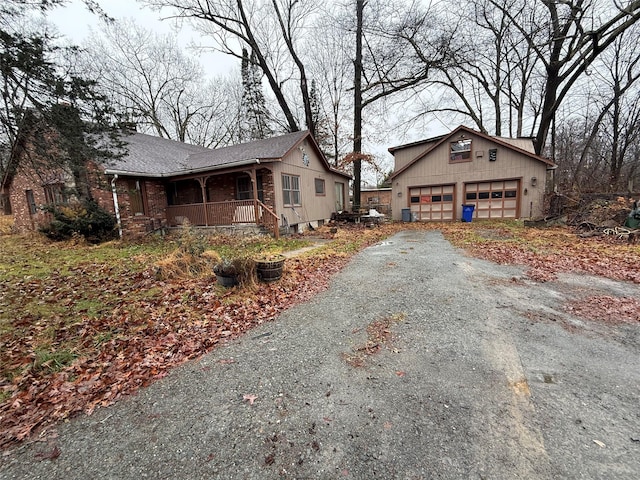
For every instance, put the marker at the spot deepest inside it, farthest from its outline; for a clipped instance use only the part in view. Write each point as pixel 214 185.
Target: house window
pixel 291 190
pixel 460 150
pixel 136 197
pixel 319 183
pixel 31 201
pixel 54 194
pixel 244 190
pixel 184 192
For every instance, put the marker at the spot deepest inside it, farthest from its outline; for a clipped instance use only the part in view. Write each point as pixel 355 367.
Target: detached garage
pixel 500 177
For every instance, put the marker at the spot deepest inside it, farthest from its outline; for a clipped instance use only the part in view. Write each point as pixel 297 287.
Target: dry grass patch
pixel 6 224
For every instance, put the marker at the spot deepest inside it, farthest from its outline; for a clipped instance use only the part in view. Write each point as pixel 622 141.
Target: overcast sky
pixel 75 22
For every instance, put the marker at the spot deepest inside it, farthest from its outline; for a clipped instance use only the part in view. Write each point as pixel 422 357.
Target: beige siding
pixel 406 155
pixel 525 144
pixel 313 207
pixel 436 169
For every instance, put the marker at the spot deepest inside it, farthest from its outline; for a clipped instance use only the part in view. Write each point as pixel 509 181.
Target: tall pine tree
pixel 255 118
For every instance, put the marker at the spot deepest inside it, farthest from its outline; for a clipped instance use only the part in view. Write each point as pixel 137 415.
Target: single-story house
pixel 500 177
pixel 280 182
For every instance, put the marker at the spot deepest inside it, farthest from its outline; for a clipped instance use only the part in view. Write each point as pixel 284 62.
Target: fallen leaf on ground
pixel 48 454
pixel 251 398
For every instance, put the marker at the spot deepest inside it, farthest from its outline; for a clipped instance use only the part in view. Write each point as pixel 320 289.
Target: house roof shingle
pixel 159 157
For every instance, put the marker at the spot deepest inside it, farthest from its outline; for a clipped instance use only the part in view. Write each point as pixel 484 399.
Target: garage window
pixel 460 151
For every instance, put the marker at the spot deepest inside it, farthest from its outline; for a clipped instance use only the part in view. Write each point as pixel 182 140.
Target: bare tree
pixel 567 36
pixel 619 121
pixel 147 75
pixel 270 30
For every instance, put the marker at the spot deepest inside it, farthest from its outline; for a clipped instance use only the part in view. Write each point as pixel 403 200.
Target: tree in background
pixel 525 58
pixel 255 118
pixel 270 30
pixel 598 149
pixel 52 117
pixel 154 84
pixel 279 33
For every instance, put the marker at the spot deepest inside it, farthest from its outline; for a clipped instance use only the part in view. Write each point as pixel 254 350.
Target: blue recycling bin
pixel 406 214
pixel 467 212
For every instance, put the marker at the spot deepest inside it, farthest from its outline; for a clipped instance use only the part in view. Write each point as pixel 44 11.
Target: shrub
pixel 86 219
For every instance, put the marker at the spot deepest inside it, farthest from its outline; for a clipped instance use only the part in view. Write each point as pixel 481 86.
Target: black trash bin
pixel 406 214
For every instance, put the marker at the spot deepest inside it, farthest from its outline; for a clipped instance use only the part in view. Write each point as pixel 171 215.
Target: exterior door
pixel 493 199
pixel 432 203
pixel 339 196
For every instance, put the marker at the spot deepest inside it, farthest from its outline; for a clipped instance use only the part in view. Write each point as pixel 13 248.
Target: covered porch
pixel 237 198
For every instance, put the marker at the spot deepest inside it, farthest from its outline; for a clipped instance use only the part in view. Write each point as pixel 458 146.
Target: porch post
pixel 203 185
pixel 254 185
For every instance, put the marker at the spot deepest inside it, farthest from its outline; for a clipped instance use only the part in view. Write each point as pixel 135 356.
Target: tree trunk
pixel 549 108
pixel 357 108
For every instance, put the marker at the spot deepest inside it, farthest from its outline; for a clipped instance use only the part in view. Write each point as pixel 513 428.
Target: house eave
pixel 179 173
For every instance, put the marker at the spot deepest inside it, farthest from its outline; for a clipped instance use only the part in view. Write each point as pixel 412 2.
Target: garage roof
pixel 516 144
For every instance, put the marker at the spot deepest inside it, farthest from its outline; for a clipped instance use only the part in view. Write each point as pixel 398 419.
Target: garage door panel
pixel 433 203
pixel 493 199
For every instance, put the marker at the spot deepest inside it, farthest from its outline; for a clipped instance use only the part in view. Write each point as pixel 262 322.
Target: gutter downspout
pixel 115 204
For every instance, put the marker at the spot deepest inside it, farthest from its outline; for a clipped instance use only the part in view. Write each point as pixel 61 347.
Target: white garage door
pixel 432 203
pixel 495 199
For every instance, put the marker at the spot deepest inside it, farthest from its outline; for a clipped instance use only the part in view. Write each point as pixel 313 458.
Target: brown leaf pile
pixel 550 251
pixel 147 340
pixel 142 337
pixel 379 335
pixel 604 308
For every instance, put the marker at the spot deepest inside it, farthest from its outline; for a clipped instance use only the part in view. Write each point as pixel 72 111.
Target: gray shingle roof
pixel 159 157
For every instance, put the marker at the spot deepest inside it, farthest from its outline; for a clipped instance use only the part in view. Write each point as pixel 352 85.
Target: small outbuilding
pixel 500 177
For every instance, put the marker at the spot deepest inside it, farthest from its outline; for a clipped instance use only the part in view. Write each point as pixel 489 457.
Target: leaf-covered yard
pixel 81 326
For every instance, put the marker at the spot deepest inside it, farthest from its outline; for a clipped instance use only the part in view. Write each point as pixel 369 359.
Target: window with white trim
pixel 291 190
pixel 460 151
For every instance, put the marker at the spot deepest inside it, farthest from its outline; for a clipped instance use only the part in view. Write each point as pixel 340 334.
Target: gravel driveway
pixel 484 376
